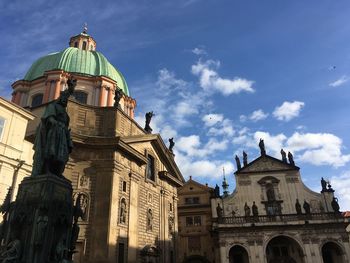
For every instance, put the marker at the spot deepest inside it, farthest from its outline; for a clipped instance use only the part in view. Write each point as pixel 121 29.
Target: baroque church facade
pixel 126 176
pixel 272 217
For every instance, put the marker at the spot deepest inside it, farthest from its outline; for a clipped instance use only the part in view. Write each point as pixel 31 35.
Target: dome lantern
pixel 83 41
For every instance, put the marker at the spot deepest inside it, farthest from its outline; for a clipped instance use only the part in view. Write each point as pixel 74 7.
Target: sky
pixel 218 74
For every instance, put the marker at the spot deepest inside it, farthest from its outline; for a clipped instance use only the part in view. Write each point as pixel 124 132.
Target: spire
pixel 225 185
pixel 85 28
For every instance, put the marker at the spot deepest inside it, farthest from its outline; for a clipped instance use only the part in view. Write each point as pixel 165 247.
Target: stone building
pixel 195 223
pixel 271 216
pixel 15 152
pixel 126 175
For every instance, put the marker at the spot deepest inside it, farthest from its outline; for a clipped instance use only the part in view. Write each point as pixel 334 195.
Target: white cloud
pixel 225 129
pixel 212 119
pixel 210 80
pixel 168 83
pixel 199 51
pixel 288 110
pixel 339 81
pixel 341 184
pixel 242 118
pixel 258 115
pixel 319 148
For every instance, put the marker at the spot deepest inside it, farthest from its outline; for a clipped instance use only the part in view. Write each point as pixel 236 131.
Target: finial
pixel 225 185
pixel 85 28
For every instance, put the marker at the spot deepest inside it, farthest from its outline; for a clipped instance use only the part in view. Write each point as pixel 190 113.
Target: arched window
pixel 37 100
pixel 150 168
pixel 270 192
pixel 84 45
pixel 75 44
pixel 2 126
pixel 80 96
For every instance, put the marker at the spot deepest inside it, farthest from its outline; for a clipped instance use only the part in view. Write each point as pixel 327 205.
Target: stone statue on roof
pixel 148 117
pixel 291 158
pixel 238 162
pixel 262 147
pixel 284 156
pixel 245 158
pixel 171 144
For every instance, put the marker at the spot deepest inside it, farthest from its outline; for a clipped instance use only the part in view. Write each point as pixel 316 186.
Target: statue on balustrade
pixel 148 117
pixel 284 156
pixel 306 207
pixel 298 207
pixel 171 144
pixel 291 158
pixel 255 209
pixel 219 211
pixel 324 185
pixel 53 143
pixel 118 95
pixel 246 210
pixel 262 147
pixel 335 205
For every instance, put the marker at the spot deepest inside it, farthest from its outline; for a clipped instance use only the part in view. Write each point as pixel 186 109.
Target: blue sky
pixel 219 74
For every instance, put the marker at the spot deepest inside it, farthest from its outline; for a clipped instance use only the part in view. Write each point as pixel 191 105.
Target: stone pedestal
pixel 40 221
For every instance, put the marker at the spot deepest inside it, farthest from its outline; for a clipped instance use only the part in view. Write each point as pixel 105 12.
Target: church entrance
pixel 238 254
pixel 284 249
pixel 332 253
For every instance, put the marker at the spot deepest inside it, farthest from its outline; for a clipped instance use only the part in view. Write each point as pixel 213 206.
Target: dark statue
pixel 77 213
pixel 219 211
pixel 298 207
pixel 149 220
pixel 238 162
pixel 262 147
pixel 217 191
pixel 290 158
pixel 284 156
pixel 171 144
pixel 335 205
pixel 245 158
pixel 246 210
pixel 12 253
pixel 118 94
pixel 324 185
pixel 53 143
pixel 148 116
pixel 330 189
pixel 306 207
pixel 255 209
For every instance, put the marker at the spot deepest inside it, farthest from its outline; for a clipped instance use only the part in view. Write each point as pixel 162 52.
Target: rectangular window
pixel 2 127
pixel 189 221
pixel 150 168
pixel 197 220
pixel 192 200
pixel 124 186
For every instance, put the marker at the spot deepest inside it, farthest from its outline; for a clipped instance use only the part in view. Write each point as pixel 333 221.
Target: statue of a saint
pixel 324 185
pixel 123 212
pixel 298 207
pixel 53 143
pixel 219 211
pixel 262 147
pixel 118 94
pixel 246 210
pixel 148 117
pixel 217 191
pixel 245 158
pixel 255 209
pixel 335 205
pixel 306 207
pixel 149 220
pixel 238 162
pixel 171 144
pixel 40 231
pixel 284 156
pixel 291 158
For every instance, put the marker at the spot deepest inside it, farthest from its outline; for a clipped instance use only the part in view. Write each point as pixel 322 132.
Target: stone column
pixel 103 96
pixel 133 218
pixel 223 256
pixel 110 100
pixel 18 97
pixel 57 89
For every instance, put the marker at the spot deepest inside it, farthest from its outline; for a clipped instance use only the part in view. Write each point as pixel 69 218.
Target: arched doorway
pixel 196 259
pixel 284 249
pixel 332 253
pixel 238 254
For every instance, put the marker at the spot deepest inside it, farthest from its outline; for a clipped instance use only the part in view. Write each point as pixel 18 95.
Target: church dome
pixel 75 60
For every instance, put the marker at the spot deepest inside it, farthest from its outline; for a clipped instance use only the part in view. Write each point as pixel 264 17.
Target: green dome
pixel 74 60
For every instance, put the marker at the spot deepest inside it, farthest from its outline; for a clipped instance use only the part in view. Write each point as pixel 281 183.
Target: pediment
pixel 266 164
pixel 195 186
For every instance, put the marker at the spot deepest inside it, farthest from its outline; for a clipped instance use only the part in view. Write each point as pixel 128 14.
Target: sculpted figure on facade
pixel 262 147
pixel 148 117
pixel 245 158
pixel 298 207
pixel 53 143
pixel 291 158
pixel 306 207
pixel 149 219
pixel 324 185
pixel 118 94
pixel 255 209
pixel 246 210
pixel 171 144
pixel 335 205
pixel 238 162
pixel 219 211
pixel 122 218
pixel 284 156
